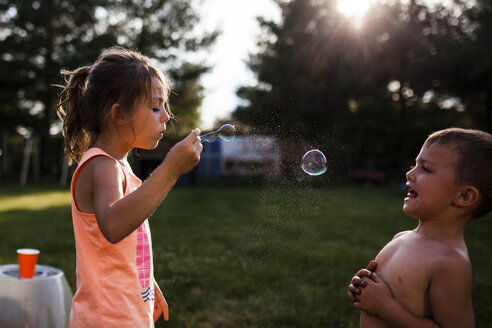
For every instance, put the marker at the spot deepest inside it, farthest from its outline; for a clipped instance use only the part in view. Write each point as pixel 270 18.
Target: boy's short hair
pixel 474 162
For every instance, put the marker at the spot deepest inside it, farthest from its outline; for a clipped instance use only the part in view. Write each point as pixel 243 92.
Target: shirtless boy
pixel 422 278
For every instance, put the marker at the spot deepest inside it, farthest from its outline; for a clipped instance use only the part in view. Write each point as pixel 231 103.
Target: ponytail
pixel 77 137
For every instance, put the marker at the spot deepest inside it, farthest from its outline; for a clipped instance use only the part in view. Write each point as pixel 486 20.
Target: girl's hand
pixel 358 282
pixel 185 155
pixel 160 304
pixel 375 294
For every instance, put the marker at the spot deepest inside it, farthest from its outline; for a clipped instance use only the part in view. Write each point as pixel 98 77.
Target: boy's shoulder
pixel 450 259
pixel 434 255
pixel 401 233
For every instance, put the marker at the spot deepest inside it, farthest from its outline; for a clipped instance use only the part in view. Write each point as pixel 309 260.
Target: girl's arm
pixel 118 216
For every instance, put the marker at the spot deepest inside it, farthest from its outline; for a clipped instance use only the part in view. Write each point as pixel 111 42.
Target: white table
pixel 43 301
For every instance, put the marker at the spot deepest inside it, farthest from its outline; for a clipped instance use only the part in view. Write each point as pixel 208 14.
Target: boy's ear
pixel 467 197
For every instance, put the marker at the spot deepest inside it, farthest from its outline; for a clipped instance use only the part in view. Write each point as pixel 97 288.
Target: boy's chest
pixel 404 269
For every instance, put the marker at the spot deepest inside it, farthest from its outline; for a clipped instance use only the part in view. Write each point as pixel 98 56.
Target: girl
pixel 107 109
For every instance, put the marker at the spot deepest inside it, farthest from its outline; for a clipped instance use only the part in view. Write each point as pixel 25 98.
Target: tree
pixel 466 60
pixel 186 98
pixel 364 93
pixel 38 38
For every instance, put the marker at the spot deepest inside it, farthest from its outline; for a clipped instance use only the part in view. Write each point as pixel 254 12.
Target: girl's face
pixel 149 121
pixel 431 183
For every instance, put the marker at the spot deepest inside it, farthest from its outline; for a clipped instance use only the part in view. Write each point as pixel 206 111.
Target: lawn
pixel 248 256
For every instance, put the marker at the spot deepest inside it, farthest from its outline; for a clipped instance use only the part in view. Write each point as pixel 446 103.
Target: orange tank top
pixel 115 282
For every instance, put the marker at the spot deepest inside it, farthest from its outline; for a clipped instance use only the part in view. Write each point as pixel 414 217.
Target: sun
pixel 355 9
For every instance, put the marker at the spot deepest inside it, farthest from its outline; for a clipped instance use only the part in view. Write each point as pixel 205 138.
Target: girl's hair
pixel 119 76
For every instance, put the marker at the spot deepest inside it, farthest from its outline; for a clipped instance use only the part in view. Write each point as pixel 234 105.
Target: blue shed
pixel 210 166
pixel 243 156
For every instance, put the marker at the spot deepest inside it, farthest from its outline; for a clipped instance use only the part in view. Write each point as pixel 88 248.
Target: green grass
pixel 247 257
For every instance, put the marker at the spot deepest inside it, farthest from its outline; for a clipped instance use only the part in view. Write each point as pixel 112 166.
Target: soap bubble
pixel 314 162
pixel 226 132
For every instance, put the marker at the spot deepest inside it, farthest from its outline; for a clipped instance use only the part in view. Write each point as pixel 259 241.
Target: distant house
pixel 244 156
pixel 255 155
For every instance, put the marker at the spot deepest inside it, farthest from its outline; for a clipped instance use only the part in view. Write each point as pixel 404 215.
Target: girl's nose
pixel 164 116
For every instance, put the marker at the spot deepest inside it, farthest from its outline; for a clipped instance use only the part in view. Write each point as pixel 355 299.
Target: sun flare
pixel 355 9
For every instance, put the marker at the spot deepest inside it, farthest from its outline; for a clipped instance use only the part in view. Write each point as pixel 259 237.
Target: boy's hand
pixel 185 155
pixel 354 289
pixel 372 266
pixel 375 295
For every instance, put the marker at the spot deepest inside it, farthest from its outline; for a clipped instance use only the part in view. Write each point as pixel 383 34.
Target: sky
pixel 236 19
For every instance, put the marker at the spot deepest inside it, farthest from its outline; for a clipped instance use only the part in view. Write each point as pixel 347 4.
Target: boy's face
pixel 431 183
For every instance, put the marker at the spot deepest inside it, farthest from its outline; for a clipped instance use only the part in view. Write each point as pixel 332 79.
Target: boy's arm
pixel 450 292
pixel 377 299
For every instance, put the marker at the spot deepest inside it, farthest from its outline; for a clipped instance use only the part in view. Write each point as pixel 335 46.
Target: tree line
pixel 369 95
pixel 366 95
pixel 40 37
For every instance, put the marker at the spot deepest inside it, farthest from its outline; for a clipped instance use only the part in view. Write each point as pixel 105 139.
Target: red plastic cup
pixel 27 262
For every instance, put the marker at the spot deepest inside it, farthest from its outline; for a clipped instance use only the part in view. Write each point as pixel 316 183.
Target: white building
pixel 243 156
